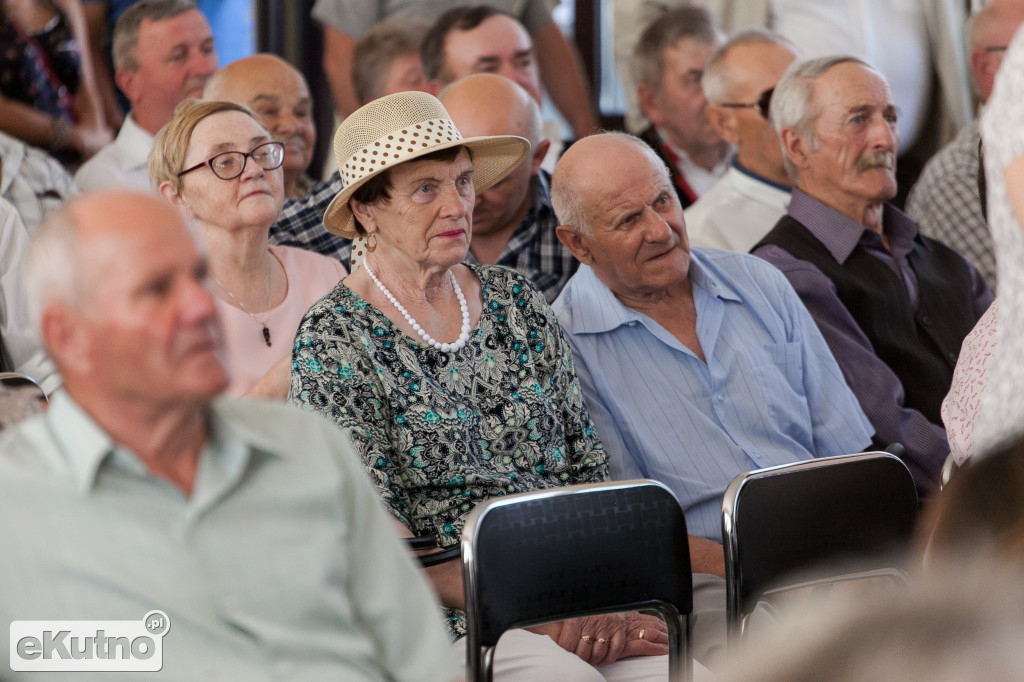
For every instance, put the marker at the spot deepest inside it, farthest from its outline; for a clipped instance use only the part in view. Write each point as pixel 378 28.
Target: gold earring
pixel 371 246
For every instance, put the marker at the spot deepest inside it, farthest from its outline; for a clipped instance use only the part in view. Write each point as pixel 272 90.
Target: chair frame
pixel 483 634
pixel 739 595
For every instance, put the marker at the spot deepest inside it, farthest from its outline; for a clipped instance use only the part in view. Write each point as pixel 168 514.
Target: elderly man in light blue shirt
pixel 697 365
pixel 249 525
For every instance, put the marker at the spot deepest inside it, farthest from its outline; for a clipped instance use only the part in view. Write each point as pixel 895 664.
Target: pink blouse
pixel 310 276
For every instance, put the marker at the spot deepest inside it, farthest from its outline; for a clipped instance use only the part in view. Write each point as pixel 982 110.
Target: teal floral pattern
pixel 439 432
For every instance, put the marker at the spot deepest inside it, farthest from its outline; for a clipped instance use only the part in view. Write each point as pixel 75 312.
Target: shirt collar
pixel 87 448
pixel 12 151
pixel 841 234
pixel 134 143
pixel 760 178
pixel 684 163
pixel 596 310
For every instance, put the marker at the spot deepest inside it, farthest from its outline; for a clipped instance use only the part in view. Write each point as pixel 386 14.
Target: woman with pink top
pixel 218 164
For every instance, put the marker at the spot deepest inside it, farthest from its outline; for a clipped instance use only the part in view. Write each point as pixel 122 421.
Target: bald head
pixel 990 31
pixel 621 216
pixel 486 104
pixel 583 173
pixel 279 95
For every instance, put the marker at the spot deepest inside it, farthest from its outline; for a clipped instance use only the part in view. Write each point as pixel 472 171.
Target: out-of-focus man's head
pixel 119 291
pixel 668 62
pixel 387 60
pixel 989 32
pixel 479 39
pixel 163 53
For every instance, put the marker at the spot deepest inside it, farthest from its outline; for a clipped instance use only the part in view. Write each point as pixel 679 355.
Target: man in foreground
pixel 248 523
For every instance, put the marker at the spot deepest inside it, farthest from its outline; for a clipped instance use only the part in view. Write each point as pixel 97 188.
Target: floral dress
pixel 440 432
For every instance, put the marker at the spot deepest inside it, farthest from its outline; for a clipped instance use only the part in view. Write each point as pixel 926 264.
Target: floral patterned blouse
pixel 439 432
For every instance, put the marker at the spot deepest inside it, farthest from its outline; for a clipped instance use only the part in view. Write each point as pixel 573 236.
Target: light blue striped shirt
pixel 770 392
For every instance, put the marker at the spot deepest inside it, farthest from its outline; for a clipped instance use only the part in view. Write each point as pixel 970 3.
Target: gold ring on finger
pixel 641 635
pixel 602 640
pixel 585 638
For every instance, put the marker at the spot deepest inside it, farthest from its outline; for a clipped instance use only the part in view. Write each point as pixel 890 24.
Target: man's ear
pixel 537 155
pixel 723 121
pixel 125 81
pixel 794 146
pixel 648 98
pixel 65 339
pixel 572 240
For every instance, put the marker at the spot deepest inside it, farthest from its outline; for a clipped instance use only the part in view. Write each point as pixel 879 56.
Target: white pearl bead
pixel 453 347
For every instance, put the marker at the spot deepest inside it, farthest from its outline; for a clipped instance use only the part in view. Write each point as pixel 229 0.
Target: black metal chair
pixel 949 468
pixel 783 520
pixel 20 398
pixel 544 556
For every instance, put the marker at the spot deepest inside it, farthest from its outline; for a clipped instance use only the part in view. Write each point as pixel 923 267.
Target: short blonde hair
pixel 171 144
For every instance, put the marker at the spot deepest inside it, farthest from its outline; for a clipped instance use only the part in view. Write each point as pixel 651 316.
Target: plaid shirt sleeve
pixel 301 222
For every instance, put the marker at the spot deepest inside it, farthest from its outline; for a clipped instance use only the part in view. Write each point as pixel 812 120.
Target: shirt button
pixel 720 397
pixel 926 320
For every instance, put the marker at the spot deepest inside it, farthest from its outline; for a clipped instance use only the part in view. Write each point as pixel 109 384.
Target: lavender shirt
pixel 879 390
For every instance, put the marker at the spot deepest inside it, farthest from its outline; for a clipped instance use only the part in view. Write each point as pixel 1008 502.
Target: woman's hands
pixel 600 640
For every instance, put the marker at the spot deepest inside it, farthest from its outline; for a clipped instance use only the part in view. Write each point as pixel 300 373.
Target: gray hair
pixel 392 38
pixel 53 272
pixel 569 203
pixel 648 59
pixel 716 81
pixel 793 104
pixel 126 31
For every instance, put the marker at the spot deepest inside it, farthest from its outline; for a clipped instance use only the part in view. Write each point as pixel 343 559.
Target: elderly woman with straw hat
pixel 454 380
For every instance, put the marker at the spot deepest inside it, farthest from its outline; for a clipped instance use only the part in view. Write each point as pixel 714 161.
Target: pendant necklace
pixel 262 323
pixel 452 347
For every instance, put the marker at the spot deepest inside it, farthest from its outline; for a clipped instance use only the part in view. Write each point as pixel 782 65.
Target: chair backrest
pixel 20 397
pixel 543 556
pixel 789 518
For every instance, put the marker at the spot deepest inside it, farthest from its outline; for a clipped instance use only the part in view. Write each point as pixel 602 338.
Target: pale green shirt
pixel 281 565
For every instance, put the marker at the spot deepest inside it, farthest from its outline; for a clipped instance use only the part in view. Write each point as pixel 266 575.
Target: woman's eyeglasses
pixel 229 165
pixel 761 106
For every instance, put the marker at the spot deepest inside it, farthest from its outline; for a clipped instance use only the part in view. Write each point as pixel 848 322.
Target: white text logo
pixel 89 645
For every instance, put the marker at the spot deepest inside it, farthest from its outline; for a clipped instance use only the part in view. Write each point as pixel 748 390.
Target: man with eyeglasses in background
pixel 754 193
pixel 948 199
pixel 668 61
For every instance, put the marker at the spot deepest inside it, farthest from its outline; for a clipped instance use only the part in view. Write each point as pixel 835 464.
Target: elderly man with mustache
pixel 893 305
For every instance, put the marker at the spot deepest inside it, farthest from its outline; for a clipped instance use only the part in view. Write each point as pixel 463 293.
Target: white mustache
pixel 877 160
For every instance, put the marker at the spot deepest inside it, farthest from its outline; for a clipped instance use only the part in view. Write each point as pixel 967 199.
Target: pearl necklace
pixel 453 347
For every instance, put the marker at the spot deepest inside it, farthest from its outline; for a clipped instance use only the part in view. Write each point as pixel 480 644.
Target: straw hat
pixel 403 127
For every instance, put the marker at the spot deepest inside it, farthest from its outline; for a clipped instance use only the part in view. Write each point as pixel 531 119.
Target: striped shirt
pixel 769 392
